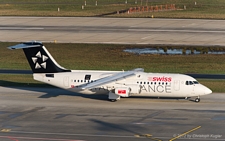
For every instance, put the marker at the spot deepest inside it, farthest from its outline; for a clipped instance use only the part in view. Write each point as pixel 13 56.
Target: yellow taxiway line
pixel 185 133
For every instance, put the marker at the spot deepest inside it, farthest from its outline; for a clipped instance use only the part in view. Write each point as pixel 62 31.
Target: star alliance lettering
pixel 156 88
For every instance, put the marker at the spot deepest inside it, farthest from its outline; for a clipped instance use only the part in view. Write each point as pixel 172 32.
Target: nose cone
pixel 207 91
pixel 202 90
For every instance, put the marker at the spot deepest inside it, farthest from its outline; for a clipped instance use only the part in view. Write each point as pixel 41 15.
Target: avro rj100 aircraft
pixel 114 83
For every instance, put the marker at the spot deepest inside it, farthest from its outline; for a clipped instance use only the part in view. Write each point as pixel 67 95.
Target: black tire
pixel 113 100
pixel 197 100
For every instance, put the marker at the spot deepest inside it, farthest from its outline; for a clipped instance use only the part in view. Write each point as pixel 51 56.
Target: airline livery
pixel 114 83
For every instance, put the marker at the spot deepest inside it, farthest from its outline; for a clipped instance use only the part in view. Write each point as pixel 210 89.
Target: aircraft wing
pixel 112 78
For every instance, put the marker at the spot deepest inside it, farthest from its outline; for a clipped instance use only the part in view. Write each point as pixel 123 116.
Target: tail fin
pixel 39 58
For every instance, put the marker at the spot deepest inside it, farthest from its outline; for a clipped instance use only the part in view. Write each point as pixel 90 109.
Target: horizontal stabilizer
pixel 26 45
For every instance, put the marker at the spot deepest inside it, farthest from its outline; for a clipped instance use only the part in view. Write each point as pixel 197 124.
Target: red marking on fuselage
pixel 161 79
pixel 121 91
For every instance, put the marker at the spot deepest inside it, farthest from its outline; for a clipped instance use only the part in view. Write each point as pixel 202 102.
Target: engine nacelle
pixel 123 91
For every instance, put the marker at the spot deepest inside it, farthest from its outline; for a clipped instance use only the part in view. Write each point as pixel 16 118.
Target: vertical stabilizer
pixel 39 58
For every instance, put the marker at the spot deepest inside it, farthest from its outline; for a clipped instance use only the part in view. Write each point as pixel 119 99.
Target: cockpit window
pixel 196 82
pixel 191 82
pixel 187 83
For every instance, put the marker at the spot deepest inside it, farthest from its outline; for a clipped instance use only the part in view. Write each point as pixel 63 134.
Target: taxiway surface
pixel 52 114
pixel 113 30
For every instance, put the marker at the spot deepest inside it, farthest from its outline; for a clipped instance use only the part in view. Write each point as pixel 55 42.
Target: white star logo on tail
pixel 43 58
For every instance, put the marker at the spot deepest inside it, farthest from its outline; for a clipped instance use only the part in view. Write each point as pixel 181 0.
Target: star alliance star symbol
pixel 43 58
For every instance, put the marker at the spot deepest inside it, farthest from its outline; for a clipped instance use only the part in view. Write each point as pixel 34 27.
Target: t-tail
pixel 39 58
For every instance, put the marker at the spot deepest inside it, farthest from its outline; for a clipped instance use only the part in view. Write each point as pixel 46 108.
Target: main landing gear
pixel 113 97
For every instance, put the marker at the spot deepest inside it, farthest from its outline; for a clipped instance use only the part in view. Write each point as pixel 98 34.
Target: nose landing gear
pixel 197 99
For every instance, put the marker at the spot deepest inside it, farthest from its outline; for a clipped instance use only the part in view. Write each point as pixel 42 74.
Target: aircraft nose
pixel 207 91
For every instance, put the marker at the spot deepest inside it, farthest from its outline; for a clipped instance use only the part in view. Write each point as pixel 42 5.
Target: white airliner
pixel 114 83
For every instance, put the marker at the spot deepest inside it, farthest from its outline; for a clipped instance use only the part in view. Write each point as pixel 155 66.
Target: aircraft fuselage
pixel 148 84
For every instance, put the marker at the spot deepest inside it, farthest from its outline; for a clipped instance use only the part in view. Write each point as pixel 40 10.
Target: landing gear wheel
pixel 113 100
pixel 197 100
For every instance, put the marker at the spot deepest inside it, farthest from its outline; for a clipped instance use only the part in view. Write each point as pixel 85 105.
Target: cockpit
pixel 191 82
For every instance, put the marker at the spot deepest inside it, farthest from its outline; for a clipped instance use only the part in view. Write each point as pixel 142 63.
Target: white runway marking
pixel 21 28
pixel 67 134
pixel 176 30
pixel 15 138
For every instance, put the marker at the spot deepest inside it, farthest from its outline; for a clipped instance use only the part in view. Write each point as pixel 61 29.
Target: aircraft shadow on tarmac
pixel 106 127
pixel 51 91
pixel 109 127
pixel 48 90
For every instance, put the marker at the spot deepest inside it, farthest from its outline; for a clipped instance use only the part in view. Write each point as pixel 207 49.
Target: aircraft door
pixel 176 85
pixel 66 81
pixel 190 88
pixel 193 89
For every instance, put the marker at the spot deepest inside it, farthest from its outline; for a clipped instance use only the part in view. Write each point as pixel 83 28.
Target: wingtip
pixel 11 48
pixel 139 69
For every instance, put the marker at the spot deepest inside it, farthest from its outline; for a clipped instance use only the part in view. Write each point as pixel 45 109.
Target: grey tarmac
pixel 28 113
pixel 113 30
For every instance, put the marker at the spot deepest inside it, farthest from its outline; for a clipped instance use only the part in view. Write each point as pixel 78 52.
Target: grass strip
pixel 205 9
